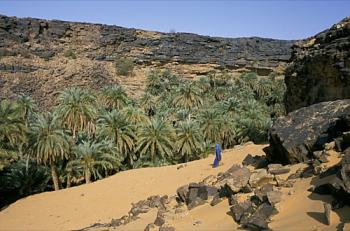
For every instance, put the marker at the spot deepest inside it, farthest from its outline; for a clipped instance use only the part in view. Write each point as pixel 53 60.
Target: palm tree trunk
pixel 54 177
pixel 153 158
pixel 130 160
pixel 27 164
pixel 74 135
pixel 69 180
pixel 87 176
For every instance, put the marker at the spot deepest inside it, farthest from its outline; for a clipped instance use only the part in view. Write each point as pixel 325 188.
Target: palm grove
pixel 90 135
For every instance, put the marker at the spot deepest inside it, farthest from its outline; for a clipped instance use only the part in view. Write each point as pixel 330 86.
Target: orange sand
pixel 103 200
pixel 109 198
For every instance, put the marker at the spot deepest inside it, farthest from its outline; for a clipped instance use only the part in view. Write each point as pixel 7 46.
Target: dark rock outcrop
pixel 243 209
pixel 16 68
pixel 295 137
pixel 254 216
pixel 196 194
pixel 233 180
pixel 260 177
pixel 260 194
pixel 277 169
pixel 335 181
pixel 259 220
pixel 255 161
pixel 320 69
pixel 83 54
pixel 338 184
pixel 274 197
pixel 327 212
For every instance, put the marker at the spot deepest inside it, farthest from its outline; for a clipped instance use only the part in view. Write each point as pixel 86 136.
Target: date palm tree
pixel 248 80
pixel 12 132
pixel 219 92
pixel 7 156
pixel 27 105
pixel 204 84
pixel 154 85
pixel 77 109
pixel 134 115
pixel 188 96
pixel 148 103
pixel 114 97
pixel 171 81
pixel 48 143
pixel 22 179
pixel 188 140
pixel 262 88
pixel 228 131
pixel 156 139
pixel 12 126
pixel 209 123
pixel 115 126
pixel 256 120
pixel 230 106
pixel 94 159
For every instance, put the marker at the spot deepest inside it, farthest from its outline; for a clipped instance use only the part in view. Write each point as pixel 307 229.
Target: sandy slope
pixel 304 211
pixel 103 200
pixel 112 197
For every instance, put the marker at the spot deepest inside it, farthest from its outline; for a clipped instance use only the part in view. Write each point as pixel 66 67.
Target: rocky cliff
pixel 320 68
pixel 40 57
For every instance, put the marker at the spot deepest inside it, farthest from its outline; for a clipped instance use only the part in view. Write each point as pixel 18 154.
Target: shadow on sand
pixel 343 213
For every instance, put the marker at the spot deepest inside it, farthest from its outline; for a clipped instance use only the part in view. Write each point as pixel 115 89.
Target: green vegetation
pixel 48 143
pixel 69 54
pixel 90 135
pixel 125 66
pixel 91 157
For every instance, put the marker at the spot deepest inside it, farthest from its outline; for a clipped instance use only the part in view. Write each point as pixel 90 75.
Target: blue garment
pixel 217 156
pixel 218 152
pixel 216 163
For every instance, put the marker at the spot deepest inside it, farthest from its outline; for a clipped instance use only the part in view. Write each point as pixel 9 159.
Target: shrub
pixel 22 179
pixel 70 54
pixel 124 66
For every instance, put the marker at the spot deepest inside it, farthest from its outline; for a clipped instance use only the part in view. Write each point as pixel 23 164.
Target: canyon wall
pixel 41 57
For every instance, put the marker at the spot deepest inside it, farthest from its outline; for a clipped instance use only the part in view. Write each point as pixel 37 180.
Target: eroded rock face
pixel 114 41
pixel 295 137
pixel 34 53
pixel 320 69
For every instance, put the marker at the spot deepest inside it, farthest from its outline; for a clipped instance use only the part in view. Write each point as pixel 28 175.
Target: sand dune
pixel 109 198
pixel 103 200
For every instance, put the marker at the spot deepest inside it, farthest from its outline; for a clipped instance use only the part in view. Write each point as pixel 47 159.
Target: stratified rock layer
pixel 40 57
pixel 320 69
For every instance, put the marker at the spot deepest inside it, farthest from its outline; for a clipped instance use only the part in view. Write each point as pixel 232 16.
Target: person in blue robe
pixel 217 156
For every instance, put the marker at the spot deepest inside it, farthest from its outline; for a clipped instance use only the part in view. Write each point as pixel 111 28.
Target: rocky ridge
pixel 40 57
pixel 320 68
